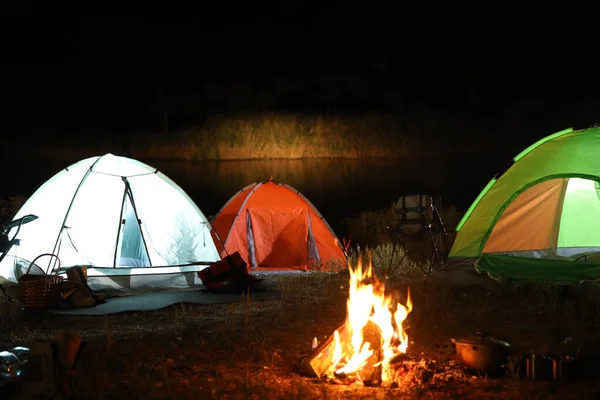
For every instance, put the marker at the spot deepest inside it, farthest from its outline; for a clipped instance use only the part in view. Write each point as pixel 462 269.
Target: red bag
pixel 232 268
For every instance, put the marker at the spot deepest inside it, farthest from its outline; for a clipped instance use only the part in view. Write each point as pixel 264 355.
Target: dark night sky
pixel 71 72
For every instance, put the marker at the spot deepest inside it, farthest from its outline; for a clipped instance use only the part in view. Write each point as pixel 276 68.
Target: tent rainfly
pixel 540 218
pixel 129 223
pixel 274 227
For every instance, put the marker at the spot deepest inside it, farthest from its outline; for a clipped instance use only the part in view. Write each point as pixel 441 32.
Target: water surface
pixel 338 188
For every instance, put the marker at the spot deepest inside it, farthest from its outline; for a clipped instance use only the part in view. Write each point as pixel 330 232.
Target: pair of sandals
pixel 77 292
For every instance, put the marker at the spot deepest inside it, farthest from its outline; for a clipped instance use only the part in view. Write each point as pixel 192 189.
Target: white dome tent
pixel 129 223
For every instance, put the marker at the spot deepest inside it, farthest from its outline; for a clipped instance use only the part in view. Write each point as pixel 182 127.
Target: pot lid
pixel 481 341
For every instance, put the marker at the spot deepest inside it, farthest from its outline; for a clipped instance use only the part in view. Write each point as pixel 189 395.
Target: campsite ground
pixel 249 349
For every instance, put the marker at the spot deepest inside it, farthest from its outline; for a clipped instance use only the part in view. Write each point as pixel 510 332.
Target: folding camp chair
pixel 419 221
pixel 7 243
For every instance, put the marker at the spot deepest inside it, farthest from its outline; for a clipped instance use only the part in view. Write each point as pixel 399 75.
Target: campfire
pixel 371 339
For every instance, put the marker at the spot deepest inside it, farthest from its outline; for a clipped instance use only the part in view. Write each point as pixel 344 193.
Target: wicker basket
pixel 40 291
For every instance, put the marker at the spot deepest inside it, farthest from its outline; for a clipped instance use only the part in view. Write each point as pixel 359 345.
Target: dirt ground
pixel 250 349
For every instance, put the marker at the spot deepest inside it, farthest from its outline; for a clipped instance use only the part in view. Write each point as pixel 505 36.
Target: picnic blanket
pixel 157 300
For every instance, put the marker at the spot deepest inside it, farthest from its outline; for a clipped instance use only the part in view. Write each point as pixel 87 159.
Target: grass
pixel 249 349
pixel 277 136
pixel 259 136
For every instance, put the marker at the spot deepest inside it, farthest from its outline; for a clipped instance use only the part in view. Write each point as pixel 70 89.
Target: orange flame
pixel 368 302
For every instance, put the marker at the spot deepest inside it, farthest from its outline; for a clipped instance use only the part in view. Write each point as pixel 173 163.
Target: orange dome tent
pixel 274 227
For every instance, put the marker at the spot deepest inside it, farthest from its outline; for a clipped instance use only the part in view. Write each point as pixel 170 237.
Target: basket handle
pixel 42 255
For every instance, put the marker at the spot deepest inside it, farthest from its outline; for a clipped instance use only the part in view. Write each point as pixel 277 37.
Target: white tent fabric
pixel 118 216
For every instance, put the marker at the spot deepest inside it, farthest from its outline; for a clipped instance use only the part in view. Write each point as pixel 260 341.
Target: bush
pixel 371 228
pixel 388 263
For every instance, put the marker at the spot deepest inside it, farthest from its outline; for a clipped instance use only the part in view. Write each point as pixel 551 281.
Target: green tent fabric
pixel 545 209
pixel 499 265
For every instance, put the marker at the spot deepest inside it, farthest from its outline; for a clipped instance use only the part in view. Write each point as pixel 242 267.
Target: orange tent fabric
pixel 274 227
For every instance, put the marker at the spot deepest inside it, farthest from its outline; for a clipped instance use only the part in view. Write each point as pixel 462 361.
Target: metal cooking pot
pixel 481 352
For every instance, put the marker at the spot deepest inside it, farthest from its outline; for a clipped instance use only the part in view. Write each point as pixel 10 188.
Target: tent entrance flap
pixel 280 237
pixel 132 248
pixel 535 214
pixel 313 250
pixel 251 248
pixel 554 214
pixel 580 220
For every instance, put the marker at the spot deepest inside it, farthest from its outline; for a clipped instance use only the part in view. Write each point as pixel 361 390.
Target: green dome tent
pixel 540 218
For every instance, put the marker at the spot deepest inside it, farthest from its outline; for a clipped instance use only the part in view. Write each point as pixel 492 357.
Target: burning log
pixel 321 362
pixel 371 373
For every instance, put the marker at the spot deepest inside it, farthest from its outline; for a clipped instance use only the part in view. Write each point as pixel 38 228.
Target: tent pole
pixel 219 238
pixel 120 224
pixel 62 227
